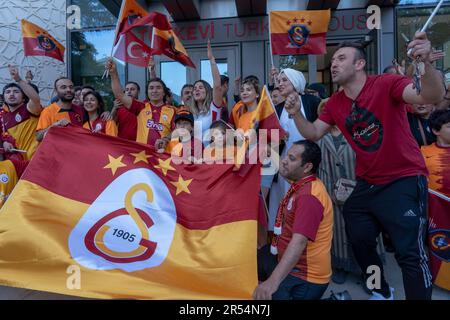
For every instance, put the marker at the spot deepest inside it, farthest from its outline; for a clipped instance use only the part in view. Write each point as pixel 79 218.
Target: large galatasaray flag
pixel 135 223
pixel 299 32
pixel 38 42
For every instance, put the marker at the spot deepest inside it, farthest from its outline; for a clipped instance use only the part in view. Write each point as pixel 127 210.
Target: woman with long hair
pixel 207 103
pixel 94 106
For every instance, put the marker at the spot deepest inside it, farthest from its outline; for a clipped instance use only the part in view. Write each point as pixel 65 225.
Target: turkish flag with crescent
pixel 132 50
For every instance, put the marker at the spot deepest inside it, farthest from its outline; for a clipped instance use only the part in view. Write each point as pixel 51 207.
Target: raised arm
pixel 115 84
pixel 310 130
pixel 217 89
pixel 432 85
pixel 151 68
pixel 34 105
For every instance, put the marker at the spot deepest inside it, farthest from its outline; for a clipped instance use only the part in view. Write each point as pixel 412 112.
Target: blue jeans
pixel 293 288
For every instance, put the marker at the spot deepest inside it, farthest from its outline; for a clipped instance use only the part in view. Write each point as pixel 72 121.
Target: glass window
pixel 90 49
pixel 415 2
pixel 411 19
pixel 205 69
pixel 297 62
pixel 174 76
pixel 94 14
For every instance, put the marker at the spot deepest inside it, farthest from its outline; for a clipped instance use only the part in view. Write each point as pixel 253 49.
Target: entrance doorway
pixel 175 75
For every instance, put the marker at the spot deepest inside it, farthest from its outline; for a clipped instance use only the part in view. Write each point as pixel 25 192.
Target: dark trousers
pixel 399 208
pixel 291 288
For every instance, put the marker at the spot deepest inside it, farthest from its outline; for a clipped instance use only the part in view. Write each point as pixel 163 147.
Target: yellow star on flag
pixel 141 156
pixel 114 164
pixel 182 185
pixel 164 165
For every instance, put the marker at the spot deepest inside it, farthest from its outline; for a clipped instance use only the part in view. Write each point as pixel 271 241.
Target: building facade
pixel 238 30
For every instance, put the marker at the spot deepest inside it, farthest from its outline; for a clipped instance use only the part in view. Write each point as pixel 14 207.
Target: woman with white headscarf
pixel 290 81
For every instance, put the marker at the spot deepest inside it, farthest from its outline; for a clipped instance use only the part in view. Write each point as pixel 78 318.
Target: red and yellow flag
pixel 38 42
pixel 167 43
pixel 437 160
pixel 264 117
pixel 130 13
pixel 134 223
pixel 299 32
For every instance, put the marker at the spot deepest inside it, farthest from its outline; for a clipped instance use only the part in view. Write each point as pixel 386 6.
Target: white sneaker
pixel 379 296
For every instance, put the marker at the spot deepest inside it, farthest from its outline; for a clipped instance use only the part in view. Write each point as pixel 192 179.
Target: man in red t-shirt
pixel 126 120
pixel 391 190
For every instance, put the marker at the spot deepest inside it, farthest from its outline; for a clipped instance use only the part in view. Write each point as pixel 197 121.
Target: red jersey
pixel 127 124
pixel 376 127
pixel 310 212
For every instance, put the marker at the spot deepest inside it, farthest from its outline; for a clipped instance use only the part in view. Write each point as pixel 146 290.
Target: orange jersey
pixel 242 119
pixel 310 212
pixel 99 125
pixel 10 172
pixel 437 160
pixel 21 126
pixel 53 113
pixel 153 122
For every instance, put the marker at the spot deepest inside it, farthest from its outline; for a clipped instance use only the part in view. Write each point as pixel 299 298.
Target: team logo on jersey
pixel 365 129
pixel 440 243
pixel 77 117
pixel 18 117
pixel 289 206
pixel 165 118
pixel 298 35
pixel 98 127
pixel 45 43
pixel 4 178
pixel 130 226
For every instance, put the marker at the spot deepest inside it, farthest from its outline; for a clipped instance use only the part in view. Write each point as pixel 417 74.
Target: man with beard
pixel 126 120
pixel 62 112
pixel 19 116
pixel 391 190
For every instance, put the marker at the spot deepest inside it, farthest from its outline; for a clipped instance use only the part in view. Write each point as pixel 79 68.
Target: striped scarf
pixel 279 220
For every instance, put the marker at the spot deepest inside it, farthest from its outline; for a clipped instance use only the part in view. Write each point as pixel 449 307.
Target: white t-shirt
pixel 207 119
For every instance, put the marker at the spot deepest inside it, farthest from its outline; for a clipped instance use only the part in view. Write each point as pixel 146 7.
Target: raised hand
pixel 210 53
pixel 111 66
pixel 292 104
pixel 436 55
pixel 14 73
pixel 420 46
pixel 29 76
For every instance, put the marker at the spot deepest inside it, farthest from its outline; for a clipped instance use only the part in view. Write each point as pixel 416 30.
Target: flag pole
pixel 122 7
pixel 270 45
pixel 425 26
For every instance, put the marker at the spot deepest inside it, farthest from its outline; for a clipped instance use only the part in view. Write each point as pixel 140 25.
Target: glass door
pixel 175 75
